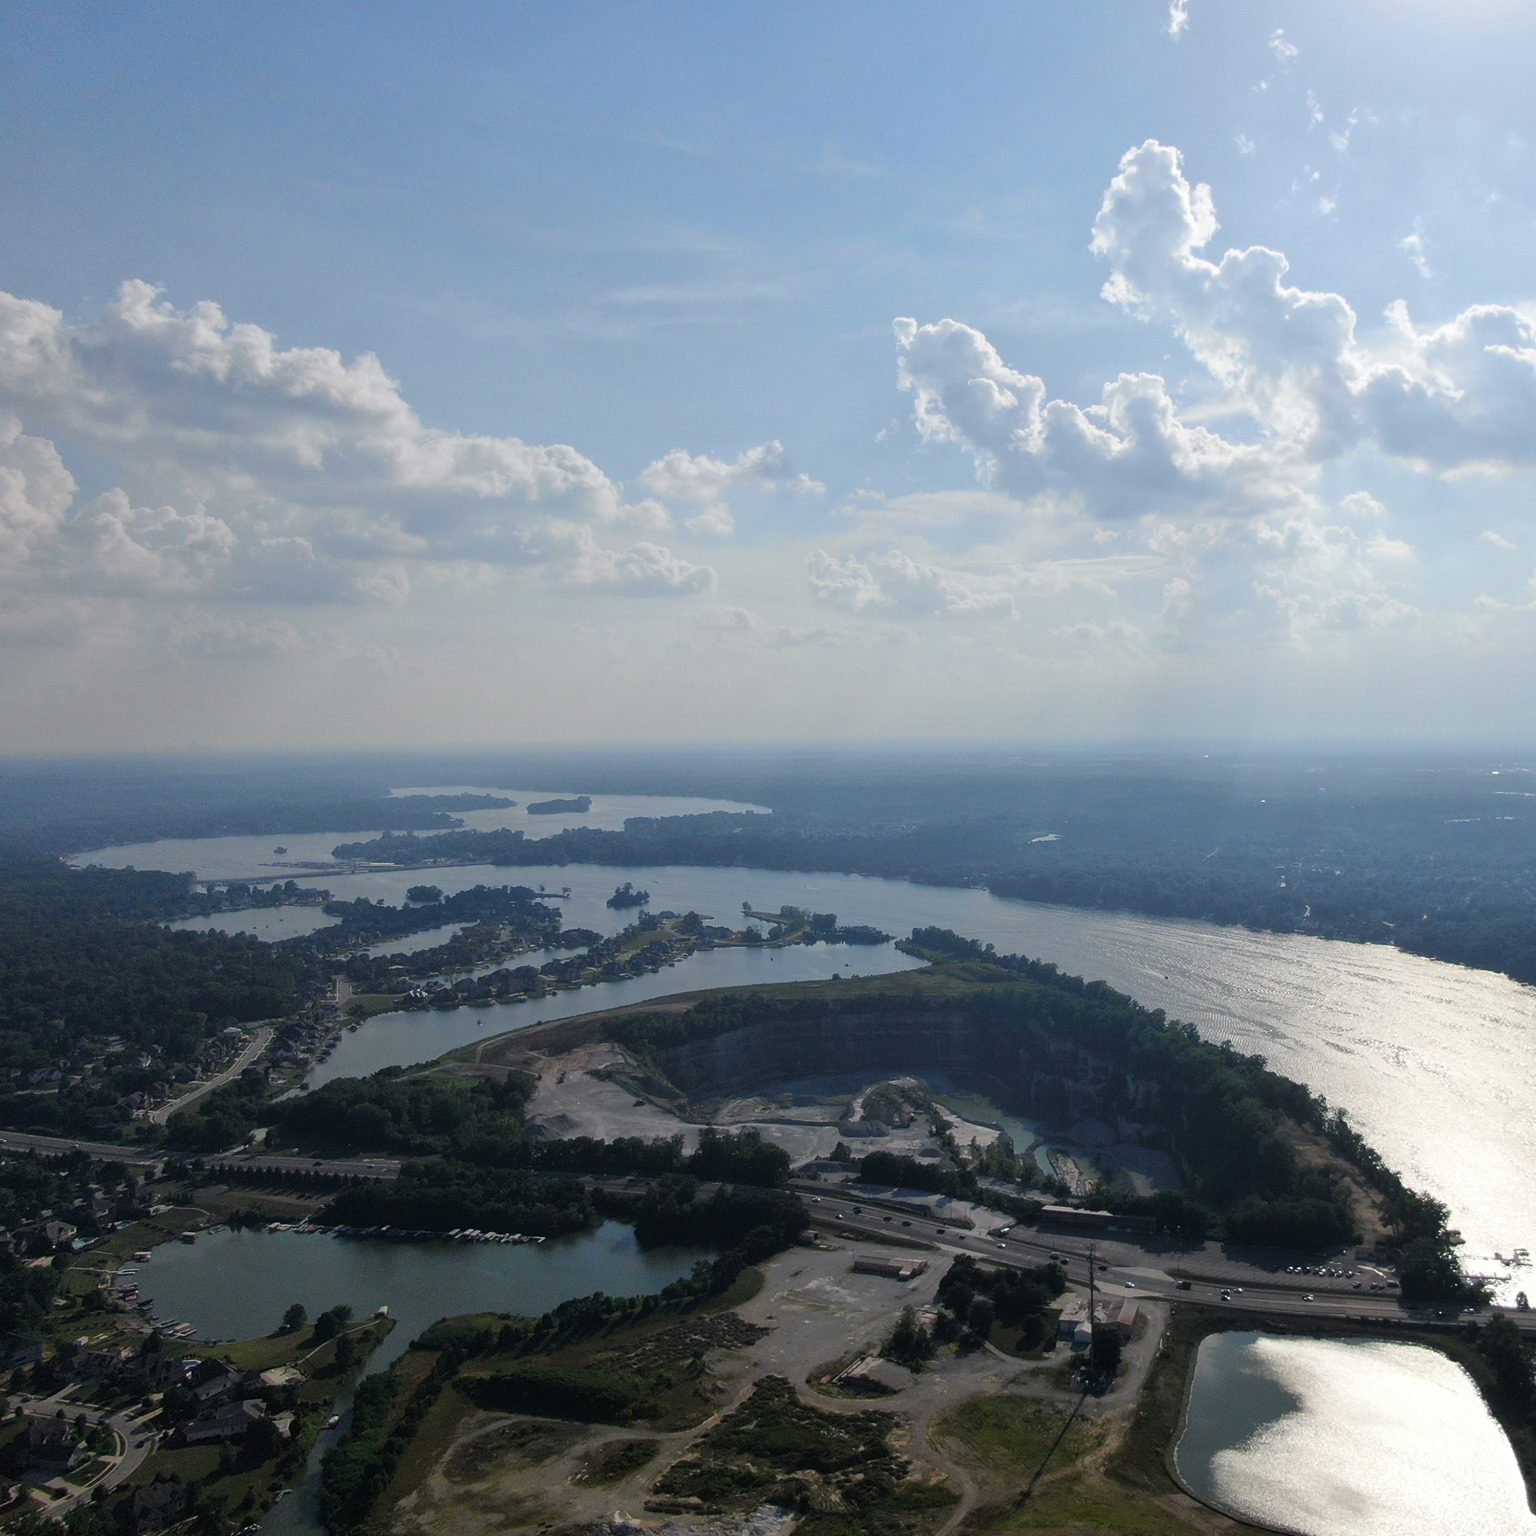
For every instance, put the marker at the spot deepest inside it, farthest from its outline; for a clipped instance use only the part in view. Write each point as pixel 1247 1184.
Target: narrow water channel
pixel 236 1285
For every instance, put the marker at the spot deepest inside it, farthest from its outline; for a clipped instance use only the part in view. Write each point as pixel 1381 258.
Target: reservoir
pixel 1355 1437
pixel 1435 1063
pixel 237 1285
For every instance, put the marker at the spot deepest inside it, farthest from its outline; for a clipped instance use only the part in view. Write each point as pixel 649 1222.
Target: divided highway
pixel 1125 1269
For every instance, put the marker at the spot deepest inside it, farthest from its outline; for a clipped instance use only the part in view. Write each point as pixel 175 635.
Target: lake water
pixel 1435 1063
pixel 413 943
pixel 257 858
pixel 403 1039
pixel 1347 1438
pixel 269 923
pixel 237 1285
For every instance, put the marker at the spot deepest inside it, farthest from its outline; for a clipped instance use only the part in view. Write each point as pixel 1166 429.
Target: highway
pixel 57 1146
pixel 1125 1270
pixel 333 1167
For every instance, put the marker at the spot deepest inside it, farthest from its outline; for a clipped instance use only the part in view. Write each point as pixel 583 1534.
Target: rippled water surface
pixel 1435 1063
pixel 1347 1438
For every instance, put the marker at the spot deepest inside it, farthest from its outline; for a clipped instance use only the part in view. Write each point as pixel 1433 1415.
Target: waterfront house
pixel 231 1422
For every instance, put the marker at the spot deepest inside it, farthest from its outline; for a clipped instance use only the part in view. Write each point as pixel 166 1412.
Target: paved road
pixel 54 1146
pixel 1122 1270
pixel 336 1167
pixel 259 1042
pixel 136 1441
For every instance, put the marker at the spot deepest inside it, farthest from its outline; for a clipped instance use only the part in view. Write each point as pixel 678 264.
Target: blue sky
pixel 520 374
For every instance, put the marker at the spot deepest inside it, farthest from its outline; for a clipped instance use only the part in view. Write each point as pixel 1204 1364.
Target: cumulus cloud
pixel 35 493
pixel 1296 578
pixel 1178 18
pixel 260 473
pixel 894 585
pixel 149 383
pixel 683 476
pixel 1128 455
pixel 643 570
pixel 1457 396
pixel 1499 542
pixel 725 617
pixel 1362 507
pixel 714 522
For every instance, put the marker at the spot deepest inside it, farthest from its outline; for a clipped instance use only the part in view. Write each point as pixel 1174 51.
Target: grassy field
pixel 774 1448
pixel 663 1344
pixel 615 1460
pixel 1039 1470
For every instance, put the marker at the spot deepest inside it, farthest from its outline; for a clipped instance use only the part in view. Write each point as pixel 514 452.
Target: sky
pixel 544 374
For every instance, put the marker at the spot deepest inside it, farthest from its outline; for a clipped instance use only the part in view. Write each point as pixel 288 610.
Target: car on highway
pixel 1309 1297
pixel 1183 1285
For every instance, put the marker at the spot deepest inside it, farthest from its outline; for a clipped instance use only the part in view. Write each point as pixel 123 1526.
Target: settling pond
pixel 1354 1437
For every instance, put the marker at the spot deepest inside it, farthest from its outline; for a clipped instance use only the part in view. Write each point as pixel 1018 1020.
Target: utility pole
pixel 1092 1311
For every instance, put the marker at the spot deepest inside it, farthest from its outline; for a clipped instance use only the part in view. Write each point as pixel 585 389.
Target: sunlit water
pixel 1347 1438
pixel 1435 1063
pixel 402 1039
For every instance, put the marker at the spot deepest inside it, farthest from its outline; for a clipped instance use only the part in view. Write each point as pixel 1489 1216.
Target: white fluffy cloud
pixel 894 585
pixel 1450 397
pixel 261 473
pixel 1127 456
pixel 1291 368
pixel 35 493
pixel 714 522
pixel 682 476
pixel 643 570
pixel 152 384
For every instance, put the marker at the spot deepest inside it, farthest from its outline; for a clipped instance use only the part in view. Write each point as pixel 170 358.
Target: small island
pixel 577 806
pixel 626 895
